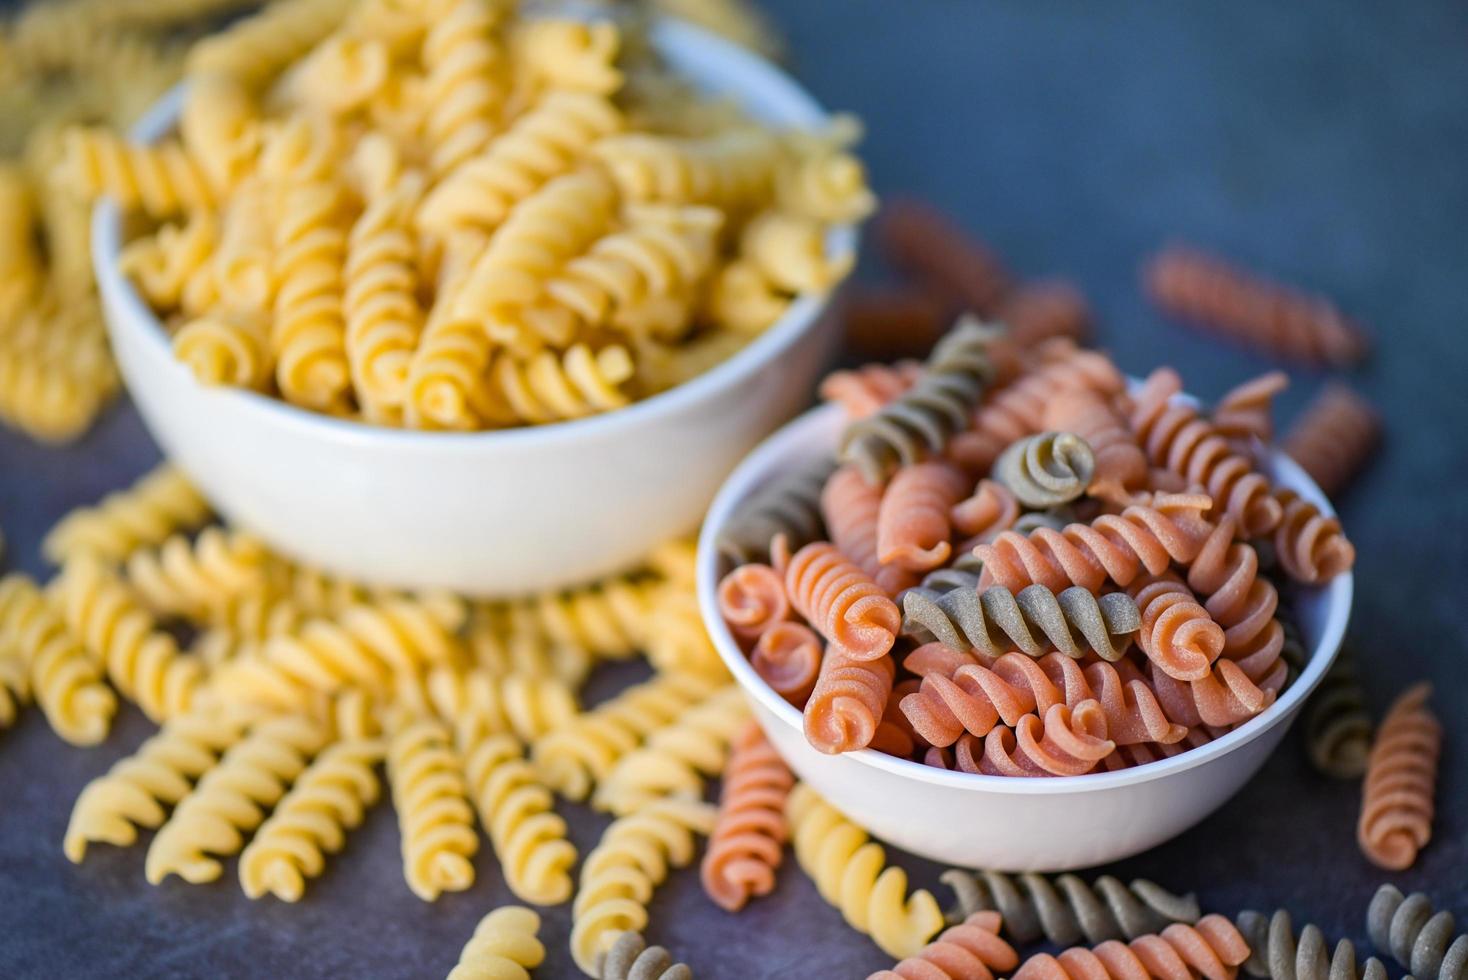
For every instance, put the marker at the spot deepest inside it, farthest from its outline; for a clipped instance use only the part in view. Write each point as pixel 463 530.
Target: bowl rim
pixel 136 318
pixel 754 471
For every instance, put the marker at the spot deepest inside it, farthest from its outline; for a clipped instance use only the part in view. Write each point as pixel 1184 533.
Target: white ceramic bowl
pixel 492 513
pixel 997 822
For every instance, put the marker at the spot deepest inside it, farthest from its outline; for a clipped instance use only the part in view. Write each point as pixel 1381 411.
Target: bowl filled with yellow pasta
pixel 487 303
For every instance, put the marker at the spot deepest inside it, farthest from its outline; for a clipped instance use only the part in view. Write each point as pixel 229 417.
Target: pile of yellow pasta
pixel 444 215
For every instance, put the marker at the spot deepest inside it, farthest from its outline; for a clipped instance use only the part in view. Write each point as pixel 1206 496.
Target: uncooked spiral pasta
pixel 1120 464
pixel 632 858
pixel 136 790
pixel 841 601
pixel 788 658
pixel 730 169
pixel 549 387
pixel 160 503
pixel 1067 742
pixel 504 947
pixel 1178 636
pixel 851 511
pixel 186 578
pixel 1226 573
pixel 1311 547
pixel 851 872
pixel 610 619
pixel 983 515
pixel 528 836
pixel 1194 286
pixel 1035 620
pixel 790 504
pixel 1278 954
pixel 575 758
pixel 227 349
pixel 231 799
pixel 162 180
pixel 1338 727
pixel 630 958
pixel 1401 777
pixel 971 950
pixel 846 705
pixel 752 599
pixel 311 821
pixel 1417 937
pixel 64 679
pixel 790 252
pixel 254 49
pixel 1246 412
pixel 747 843
pixel 434 815
pixel 677 758
pixel 167 266
pixel 308 334
pixel 383 315
pixel 1066 909
pixel 465 86
pixel 863 391
pixel 828 185
pixel 1046 470
pixel 1219 699
pixel 913 523
pixel 1334 437
pixel 144 662
pixel 568 54
pixel 921 421
pixel 1211 948
pixel 921 240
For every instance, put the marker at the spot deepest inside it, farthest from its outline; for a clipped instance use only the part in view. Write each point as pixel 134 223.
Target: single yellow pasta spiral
pixel 745 300
pixel 829 186
pixel 568 54
pixel 244 272
pixel 544 143
pixel 232 799
pixel 302 149
pixel 221 129
pixel 619 875
pixel 503 947
pixel 341 75
pixel 529 837
pixel 447 384
pixel 183 578
pixel 135 791
pixel 254 50
pixel 47 401
pixel 141 660
pixel 227 348
pixel 465 89
pixel 311 821
pixel 551 387
pixel 677 758
pixel 790 251
pixel 163 265
pixel 849 871
pixel 575 758
pixel 161 180
pixel 732 169
pixel 383 315
pixel 434 816
pixel 66 681
pixel 161 502
pixel 309 332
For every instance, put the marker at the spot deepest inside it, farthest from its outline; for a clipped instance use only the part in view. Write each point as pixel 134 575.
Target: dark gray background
pixel 1322 140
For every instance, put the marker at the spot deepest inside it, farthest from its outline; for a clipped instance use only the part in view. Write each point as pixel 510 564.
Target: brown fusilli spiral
pixel 1244 603
pixel 851 508
pixel 1334 437
pixel 1066 909
pixel 841 601
pixel 991 509
pixel 1046 470
pixel 1277 953
pixel 1213 949
pixel 747 843
pixel 1224 696
pixel 788 658
pixel 1401 777
pixel 1194 286
pixel 1338 728
pixel 788 505
pixel 922 241
pixel 971 950
pixel 848 701
pixel 1417 937
pixel 1178 636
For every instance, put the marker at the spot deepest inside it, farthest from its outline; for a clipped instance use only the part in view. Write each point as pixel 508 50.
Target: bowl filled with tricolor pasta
pixel 1012 611
pixel 488 304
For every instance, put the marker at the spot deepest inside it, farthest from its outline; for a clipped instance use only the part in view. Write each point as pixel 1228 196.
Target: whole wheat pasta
pixel 1334 437
pixel 1046 470
pixel 789 505
pixel 1338 727
pixel 1275 952
pixel 970 950
pixel 1401 777
pixel 913 523
pixel 922 241
pixel 747 843
pixel 788 657
pixel 1194 286
pixel 630 957
pixel 851 508
pixel 1213 948
pixel 848 701
pixel 1417 937
pixel 841 601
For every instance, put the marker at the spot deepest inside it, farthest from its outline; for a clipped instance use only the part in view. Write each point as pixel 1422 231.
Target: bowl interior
pixel 1321 614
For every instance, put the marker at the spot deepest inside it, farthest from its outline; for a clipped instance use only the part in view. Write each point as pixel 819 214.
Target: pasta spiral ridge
pixel 142 661
pixel 309 330
pixel 747 843
pixel 227 348
pixel 1121 466
pixel 850 871
pixel 569 54
pixel 550 387
pixel 231 799
pixel 528 836
pixel 573 759
pixel 788 657
pixel 1178 635
pixel 913 521
pixel 330 797
pixel 971 950
pixel 1401 777
pixel 990 510
pixel 677 758
pixel 863 391
pixel 841 601
pixel 1338 728
pixel 1178 437
pixel 790 504
pixel 1240 600
pixel 436 820
pixel 609 619
pixel 923 419
pixel 1118 547
pixel 1067 742
pixel 1311 546
pixel 190 579
pixel 65 681
pixel 504 947
pixel 1046 470
pixel 633 856
pixel 158 504
pixel 1034 621
pixel 254 49
pixel 383 316
pixel 1065 909
pixel 1278 954
pixel 630 958
pixel 850 509
pixel 846 705
pixel 1417 937
pixel 730 169
pixel 463 90
pixel 1212 948
pixel 1334 437
pixel 161 180
pixel 751 600
pixel 134 792
pixel 1246 411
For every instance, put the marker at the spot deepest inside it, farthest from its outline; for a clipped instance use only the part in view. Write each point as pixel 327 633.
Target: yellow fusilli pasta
pixel 434 816
pixel 183 578
pixel 160 503
pixel 503 947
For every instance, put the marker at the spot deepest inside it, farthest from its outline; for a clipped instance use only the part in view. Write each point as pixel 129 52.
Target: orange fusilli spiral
pixel 1118 547
pixel 1069 742
pixel 1246 411
pixel 1311 547
pixel 864 390
pixel 1226 574
pixel 982 516
pixel 788 657
pixel 848 701
pixel 1334 437
pixel 841 601
pixel 1401 776
pixel 971 950
pixel 851 508
pixel 752 599
pixel 1178 438
pixel 1043 310
pixel 1121 466
pixel 1178 635
pixel 913 524
pixel 1129 756
pixel 1224 696
pixel 747 843
pixel 1194 286
pixel 1213 949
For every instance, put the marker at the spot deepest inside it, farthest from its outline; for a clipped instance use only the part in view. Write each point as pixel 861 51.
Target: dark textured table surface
pixel 1325 141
